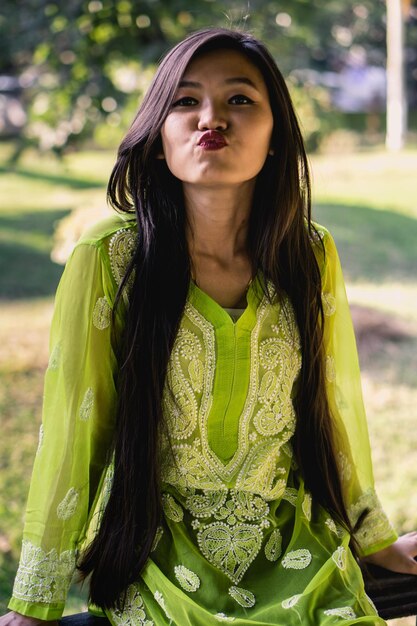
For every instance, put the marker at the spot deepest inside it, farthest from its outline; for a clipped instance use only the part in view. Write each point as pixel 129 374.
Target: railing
pixel 394 595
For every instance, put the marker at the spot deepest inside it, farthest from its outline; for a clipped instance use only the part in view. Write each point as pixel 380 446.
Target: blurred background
pixel 71 76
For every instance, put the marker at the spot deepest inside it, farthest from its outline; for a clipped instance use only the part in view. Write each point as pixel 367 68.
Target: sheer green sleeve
pixel 374 531
pixel 76 432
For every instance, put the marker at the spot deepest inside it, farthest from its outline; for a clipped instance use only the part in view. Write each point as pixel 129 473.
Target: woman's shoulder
pixel 104 231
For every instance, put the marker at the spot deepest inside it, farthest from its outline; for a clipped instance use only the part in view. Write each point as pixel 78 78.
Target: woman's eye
pixel 240 99
pixel 186 101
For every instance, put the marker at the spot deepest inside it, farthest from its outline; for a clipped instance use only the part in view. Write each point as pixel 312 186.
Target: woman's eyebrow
pixel 228 81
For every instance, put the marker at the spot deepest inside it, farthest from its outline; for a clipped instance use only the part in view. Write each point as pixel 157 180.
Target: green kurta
pixel 241 539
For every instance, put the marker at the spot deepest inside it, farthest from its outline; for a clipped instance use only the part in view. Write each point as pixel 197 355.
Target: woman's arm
pixel 399 556
pixel 77 427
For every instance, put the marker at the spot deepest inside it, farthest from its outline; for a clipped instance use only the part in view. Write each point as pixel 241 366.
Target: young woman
pixel 203 415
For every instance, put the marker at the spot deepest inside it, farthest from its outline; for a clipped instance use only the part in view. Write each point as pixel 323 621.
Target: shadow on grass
pixel 375 246
pixel 26 269
pixel 56 179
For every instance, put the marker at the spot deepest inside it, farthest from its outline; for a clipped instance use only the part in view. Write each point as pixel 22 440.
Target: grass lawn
pixel 369 203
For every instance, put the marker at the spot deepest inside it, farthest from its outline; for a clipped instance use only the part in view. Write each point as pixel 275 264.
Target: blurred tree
pixel 83 64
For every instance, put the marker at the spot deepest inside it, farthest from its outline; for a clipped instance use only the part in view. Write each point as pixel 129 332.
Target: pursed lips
pixel 212 140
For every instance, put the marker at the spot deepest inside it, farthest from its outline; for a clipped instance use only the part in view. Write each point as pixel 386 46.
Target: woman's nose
pixel 212 117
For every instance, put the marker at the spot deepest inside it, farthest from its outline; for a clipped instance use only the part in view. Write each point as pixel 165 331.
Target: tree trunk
pixel 396 96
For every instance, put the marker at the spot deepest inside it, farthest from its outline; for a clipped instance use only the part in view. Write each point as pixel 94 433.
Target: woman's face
pixel 218 131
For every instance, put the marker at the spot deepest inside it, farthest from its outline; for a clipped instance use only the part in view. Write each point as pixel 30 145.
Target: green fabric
pixel 241 540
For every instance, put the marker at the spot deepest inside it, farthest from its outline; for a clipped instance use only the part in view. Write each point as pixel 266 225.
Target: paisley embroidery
pixel 66 508
pixel 290 602
pixel 55 358
pixel 87 404
pixel 242 596
pixel 297 559
pixel 273 547
pixel 101 314
pixel 133 613
pixel 42 576
pixel 231 549
pixel 172 509
pixel 262 470
pixel 329 304
pixel 345 612
pixel 188 579
pixel 161 601
pixel 331 525
pixel 306 506
pixel 339 557
pixel 121 248
pixel 291 495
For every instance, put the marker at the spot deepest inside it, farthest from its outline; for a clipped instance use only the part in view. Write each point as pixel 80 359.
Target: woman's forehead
pixel 223 63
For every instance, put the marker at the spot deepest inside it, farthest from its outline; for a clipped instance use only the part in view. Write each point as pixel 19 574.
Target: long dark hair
pixel 279 244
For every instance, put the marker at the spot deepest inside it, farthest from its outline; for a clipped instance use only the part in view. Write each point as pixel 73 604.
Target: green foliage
pixel 84 63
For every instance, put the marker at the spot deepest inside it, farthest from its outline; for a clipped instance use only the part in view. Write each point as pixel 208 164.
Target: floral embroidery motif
pixel 87 404
pixel 161 601
pixel 273 547
pixel 40 440
pixel 66 508
pixel 245 598
pixel 121 248
pixel 345 612
pixel 55 358
pixel 329 304
pixel 172 509
pixel 101 314
pixel 306 506
pixel 188 579
pixel 297 559
pixel 330 369
pixel 43 576
pixel 339 557
pixel 290 602
pixel 133 613
pixel 375 525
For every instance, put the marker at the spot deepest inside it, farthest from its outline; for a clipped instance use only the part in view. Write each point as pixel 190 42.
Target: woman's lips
pixel 212 140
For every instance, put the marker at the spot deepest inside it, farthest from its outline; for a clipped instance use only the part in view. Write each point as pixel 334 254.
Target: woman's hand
pixel 398 557
pixel 16 619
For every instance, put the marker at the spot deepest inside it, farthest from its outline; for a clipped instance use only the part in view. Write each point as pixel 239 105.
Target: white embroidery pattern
pixel 87 404
pixel 290 602
pixel 55 357
pixel 297 559
pixel 222 617
pixel 101 314
pixel 245 598
pixel 329 304
pixel 161 601
pixel 330 369
pixel 40 441
pixel 121 248
pixel 273 546
pixel 339 556
pixel 133 613
pixel 345 612
pixel 42 576
pixel 306 506
pixel 188 579
pixel 172 509
pixel 375 526
pixel 66 508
